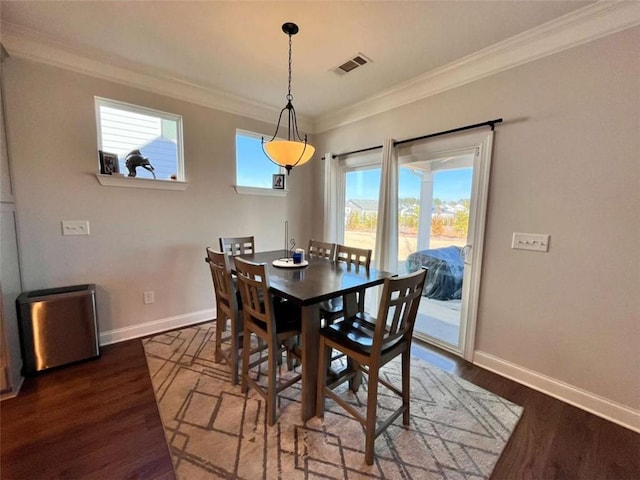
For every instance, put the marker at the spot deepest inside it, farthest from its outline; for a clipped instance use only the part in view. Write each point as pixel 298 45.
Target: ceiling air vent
pixel 354 62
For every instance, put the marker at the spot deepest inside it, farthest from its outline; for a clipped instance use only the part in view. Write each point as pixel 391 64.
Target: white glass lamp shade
pixel 288 153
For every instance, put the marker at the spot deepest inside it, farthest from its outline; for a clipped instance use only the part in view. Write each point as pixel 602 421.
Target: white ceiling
pixel 237 48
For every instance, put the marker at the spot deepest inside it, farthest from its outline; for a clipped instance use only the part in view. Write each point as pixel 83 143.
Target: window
pixel 253 168
pixel 357 194
pixel 123 128
pixel 361 192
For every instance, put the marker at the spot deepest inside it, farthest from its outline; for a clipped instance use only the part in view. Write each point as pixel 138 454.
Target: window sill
pixel 270 192
pixel 121 181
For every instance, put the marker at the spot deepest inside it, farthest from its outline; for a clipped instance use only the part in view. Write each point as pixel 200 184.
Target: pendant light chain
pixel 289 96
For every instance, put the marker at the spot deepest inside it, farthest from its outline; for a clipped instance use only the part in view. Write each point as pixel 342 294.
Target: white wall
pixel 140 239
pixel 566 163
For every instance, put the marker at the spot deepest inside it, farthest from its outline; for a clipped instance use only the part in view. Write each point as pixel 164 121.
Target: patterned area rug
pixel 457 430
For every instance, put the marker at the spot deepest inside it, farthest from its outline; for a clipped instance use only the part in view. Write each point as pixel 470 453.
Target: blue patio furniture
pixel 446 267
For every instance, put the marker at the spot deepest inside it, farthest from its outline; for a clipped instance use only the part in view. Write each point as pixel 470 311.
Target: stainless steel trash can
pixel 57 326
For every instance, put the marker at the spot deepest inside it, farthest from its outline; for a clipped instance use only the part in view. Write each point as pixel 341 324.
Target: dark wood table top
pixel 320 280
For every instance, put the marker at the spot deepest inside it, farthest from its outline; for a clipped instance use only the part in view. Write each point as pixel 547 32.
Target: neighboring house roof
pixel 410 210
pixel 364 205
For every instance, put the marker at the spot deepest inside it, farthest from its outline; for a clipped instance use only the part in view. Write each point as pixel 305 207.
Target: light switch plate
pixel 538 242
pixel 75 227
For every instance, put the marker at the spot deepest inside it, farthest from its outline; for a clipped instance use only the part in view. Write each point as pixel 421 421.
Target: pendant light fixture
pixel 294 150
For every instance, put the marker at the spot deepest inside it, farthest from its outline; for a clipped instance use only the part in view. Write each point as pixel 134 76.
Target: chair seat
pixel 333 305
pixel 353 333
pixel 356 333
pixel 366 318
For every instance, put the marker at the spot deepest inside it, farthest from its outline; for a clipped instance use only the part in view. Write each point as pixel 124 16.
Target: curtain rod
pixel 488 123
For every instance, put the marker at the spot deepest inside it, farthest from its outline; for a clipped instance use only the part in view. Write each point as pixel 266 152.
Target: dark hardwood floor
pixel 99 420
pixel 93 420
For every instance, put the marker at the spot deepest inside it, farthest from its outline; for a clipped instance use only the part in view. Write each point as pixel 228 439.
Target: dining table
pixel 308 285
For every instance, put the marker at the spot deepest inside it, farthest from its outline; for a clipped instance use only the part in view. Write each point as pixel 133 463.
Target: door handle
pixel 466 254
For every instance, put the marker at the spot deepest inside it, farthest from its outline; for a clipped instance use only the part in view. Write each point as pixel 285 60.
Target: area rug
pixel 457 430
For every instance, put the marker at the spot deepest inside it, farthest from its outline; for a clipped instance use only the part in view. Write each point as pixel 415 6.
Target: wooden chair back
pixel 398 309
pixel 358 257
pixel 226 299
pixel 322 249
pixel 253 284
pixel 233 246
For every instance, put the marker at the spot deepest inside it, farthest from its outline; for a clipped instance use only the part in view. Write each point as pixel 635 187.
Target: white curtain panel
pixel 386 252
pixel 330 198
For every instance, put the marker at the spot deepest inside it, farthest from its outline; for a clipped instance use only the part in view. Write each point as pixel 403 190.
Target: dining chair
pixel 274 320
pixel 369 346
pixel 358 258
pixel 321 249
pixel 226 310
pixel 233 246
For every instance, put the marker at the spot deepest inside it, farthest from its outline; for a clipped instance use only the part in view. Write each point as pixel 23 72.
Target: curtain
pixel 330 198
pixel 386 251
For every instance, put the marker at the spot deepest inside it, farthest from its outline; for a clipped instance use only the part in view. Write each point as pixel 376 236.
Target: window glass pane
pixel 253 168
pixel 170 129
pixel 125 128
pixel 362 189
pixel 409 210
pixel 433 221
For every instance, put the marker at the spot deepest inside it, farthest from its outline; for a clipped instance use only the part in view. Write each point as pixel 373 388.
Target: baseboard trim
pixel 590 402
pixel 156 326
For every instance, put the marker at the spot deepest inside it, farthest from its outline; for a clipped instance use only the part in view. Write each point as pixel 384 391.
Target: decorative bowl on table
pixel 288 263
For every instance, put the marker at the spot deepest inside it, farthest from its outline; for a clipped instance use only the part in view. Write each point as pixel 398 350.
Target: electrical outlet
pixel 75 227
pixel 537 242
pixel 148 297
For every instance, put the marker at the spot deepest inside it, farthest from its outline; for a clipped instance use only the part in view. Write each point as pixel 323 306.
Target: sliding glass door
pixel 434 197
pixel 442 191
pixel 442 197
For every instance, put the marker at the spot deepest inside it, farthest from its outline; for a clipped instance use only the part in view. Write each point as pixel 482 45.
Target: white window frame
pixel 249 190
pixel 125 181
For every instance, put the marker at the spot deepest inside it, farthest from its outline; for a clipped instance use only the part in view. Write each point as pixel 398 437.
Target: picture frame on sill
pixel 278 181
pixel 109 163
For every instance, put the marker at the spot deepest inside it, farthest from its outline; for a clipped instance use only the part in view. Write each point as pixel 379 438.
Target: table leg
pixel 350 304
pixel 310 345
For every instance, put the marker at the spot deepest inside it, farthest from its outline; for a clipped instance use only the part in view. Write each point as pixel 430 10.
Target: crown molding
pixel 581 26
pixel 32 45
